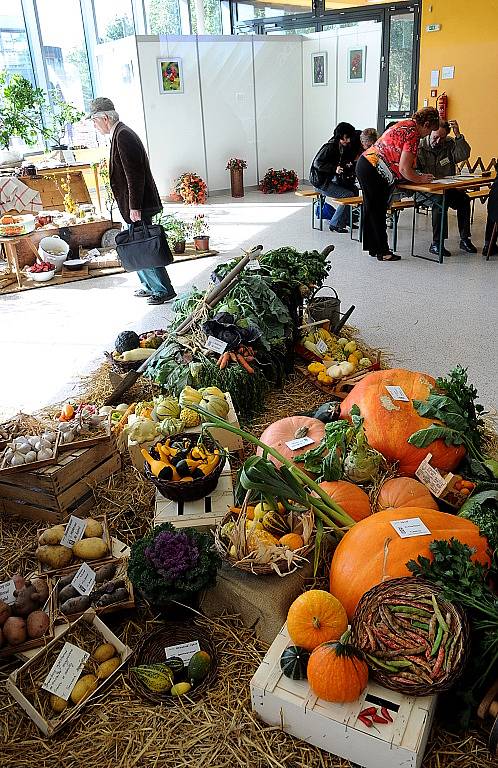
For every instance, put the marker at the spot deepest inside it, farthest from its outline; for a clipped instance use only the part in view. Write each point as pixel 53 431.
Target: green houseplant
pixel 21 106
pixel 177 232
pixel 199 229
pixel 62 114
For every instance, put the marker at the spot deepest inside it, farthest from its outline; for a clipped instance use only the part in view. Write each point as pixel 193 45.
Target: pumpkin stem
pixel 316 622
pixel 386 554
pixel 301 432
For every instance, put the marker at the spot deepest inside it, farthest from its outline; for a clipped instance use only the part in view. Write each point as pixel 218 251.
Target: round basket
pixel 405 643
pixel 188 491
pixel 325 307
pixel 150 650
pixel 124 367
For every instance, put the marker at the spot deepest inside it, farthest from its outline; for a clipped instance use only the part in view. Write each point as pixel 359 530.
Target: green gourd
pixel 198 666
pixel 294 662
pixel 218 406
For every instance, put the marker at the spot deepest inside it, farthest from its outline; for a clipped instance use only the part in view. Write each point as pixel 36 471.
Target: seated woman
pixel 368 136
pixel 332 171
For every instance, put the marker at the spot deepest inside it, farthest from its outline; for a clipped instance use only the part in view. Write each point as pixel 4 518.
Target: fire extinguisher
pixel 442 106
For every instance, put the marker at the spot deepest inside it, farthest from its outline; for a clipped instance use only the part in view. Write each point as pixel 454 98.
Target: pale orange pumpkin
pixel 316 617
pixel 283 431
pixel 405 492
pixel 336 672
pixel 291 541
pixel 350 497
pixel 371 551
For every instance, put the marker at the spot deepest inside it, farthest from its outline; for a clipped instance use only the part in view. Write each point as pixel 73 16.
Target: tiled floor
pixel 429 316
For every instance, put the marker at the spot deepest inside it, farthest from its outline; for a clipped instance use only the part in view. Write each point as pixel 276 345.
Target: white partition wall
pixel 319 102
pixel 357 102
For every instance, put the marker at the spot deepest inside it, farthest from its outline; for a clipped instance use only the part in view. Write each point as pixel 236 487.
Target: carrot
pixel 245 364
pixel 233 357
pixel 223 360
pixel 124 418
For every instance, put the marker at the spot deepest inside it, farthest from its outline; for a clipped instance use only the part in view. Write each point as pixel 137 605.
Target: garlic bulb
pixel 30 456
pixel 24 448
pixel 44 453
pixel 50 436
pixel 8 454
pixel 17 459
pixel 33 441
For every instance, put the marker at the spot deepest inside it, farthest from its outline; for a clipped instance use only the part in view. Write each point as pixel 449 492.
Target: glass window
pixel 14 47
pixel 260 10
pixel 163 17
pixel 212 17
pixel 401 48
pixel 113 19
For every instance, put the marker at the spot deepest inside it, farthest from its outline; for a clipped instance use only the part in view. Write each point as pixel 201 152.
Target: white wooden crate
pixel 292 706
pixel 204 513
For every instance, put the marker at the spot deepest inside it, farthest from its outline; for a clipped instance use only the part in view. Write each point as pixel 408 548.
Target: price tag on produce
pixel 299 442
pixel 75 530
pixel 321 346
pixel 184 651
pixel 84 579
pixel 410 527
pixel 216 345
pixel 253 264
pixel 7 589
pixel 397 393
pixel 65 672
pixel 430 476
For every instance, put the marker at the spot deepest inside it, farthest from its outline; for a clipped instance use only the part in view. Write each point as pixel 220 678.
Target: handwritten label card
pixel 75 530
pixel 397 393
pixel 7 592
pixel 299 442
pixel 216 345
pixel 184 651
pixel 84 579
pixel 65 672
pixel 410 527
pixel 253 264
pixel 321 346
pixel 430 476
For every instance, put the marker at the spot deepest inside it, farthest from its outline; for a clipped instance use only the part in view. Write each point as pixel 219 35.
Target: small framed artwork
pixel 170 75
pixel 319 68
pixel 357 59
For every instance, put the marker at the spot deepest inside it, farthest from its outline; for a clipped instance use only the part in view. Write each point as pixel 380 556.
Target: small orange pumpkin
pixel 405 492
pixel 292 541
pixel 67 412
pixel 336 672
pixel 278 434
pixel 350 497
pixel 316 617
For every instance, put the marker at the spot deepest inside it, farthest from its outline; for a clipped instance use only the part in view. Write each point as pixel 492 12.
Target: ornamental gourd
pixel 294 662
pixel 284 430
pixel 336 672
pixel 167 408
pixel 404 492
pixel 216 405
pixel 316 617
pixel 372 551
pixel 389 423
pixel 350 497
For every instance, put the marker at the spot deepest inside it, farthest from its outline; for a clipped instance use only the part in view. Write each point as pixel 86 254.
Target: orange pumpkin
pixel 350 497
pixel 283 431
pixel 372 551
pixel 316 617
pixel 292 541
pixel 336 672
pixel 405 492
pixel 389 423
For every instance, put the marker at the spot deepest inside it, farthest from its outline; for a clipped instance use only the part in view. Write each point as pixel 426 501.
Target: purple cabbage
pixel 172 554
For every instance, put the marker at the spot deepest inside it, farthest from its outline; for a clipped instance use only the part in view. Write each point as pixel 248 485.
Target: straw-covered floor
pixel 121 730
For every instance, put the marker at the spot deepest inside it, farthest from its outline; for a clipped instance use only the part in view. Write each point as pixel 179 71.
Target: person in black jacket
pixel 332 171
pixel 134 188
pixel 491 221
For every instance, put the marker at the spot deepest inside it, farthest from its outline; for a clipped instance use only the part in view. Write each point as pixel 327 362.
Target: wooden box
pixel 106 537
pixel 87 235
pixel 291 706
pixel 63 489
pixel 51 197
pixel 121 573
pixel 29 644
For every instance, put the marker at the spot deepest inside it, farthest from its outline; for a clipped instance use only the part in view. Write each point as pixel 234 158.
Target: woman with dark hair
pixel 332 171
pixel 391 159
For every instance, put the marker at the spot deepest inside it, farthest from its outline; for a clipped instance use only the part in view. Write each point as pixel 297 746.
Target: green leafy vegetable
pixel 482 509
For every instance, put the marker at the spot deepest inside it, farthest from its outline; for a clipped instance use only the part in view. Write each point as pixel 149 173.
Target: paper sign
pixel 7 592
pixel 216 344
pixel 447 73
pixel 410 527
pixel 65 672
pixel 253 264
pixel 299 442
pixel 397 393
pixel 184 651
pixel 74 532
pixel 321 346
pixel 434 78
pixel 84 579
pixel 430 476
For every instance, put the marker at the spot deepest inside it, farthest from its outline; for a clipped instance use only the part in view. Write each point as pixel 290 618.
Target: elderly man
pixel 439 154
pixel 133 187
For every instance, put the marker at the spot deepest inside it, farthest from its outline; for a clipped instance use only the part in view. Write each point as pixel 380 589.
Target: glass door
pixel 398 83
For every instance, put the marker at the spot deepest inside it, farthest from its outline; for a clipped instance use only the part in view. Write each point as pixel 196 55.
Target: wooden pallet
pixel 339 390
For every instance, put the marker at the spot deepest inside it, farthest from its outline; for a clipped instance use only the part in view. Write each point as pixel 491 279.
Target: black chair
pixel 492 222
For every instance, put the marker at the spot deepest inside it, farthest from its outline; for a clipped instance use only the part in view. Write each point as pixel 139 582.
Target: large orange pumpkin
pixel 316 617
pixel 372 551
pixel 336 672
pixel 350 497
pixel 389 423
pixel 405 492
pixel 283 431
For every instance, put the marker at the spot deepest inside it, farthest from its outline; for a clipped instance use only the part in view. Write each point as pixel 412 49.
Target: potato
pixel 52 535
pixel 104 652
pixel 83 688
pixel 41 587
pixel 65 580
pixel 67 593
pixel 108 667
pixel 18 581
pixel 93 528
pixel 5 612
pixel 14 630
pixel 57 704
pixel 54 556
pixel 37 624
pixel 105 573
pixel 75 605
pixel 27 600
pixel 90 549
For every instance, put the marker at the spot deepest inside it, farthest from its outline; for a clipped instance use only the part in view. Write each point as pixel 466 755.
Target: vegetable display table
pixel 12 255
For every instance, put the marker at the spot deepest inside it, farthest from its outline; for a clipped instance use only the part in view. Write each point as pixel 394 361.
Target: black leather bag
pixel 143 246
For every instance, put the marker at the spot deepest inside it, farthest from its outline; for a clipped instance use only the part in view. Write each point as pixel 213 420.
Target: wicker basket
pixel 188 491
pixel 386 634
pixel 151 651
pixel 124 367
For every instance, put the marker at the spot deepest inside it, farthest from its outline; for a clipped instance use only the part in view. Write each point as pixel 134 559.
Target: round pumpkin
pixel 283 431
pixel 294 662
pixel 291 541
pixel 372 551
pixel 405 492
pixel 350 497
pixel 336 672
pixel 316 617
pixel 389 423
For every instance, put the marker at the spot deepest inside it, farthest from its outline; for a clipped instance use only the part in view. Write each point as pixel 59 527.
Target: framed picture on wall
pixel 357 59
pixel 170 75
pixel 319 68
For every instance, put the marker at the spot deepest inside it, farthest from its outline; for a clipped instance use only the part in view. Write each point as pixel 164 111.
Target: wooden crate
pixel 293 707
pixel 63 489
pixel 51 197
pixel 87 235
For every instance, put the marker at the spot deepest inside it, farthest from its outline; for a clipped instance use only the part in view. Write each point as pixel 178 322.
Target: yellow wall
pixel 468 40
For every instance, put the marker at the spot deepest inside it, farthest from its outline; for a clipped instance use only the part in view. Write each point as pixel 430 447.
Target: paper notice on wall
pixel 65 672
pixel 447 73
pixel 434 78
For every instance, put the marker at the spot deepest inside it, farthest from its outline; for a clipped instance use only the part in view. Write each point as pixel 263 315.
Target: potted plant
pixel 176 232
pixel 191 189
pixel 279 181
pixel 21 106
pixel 236 167
pixel 62 114
pixel 199 229
pixel 171 564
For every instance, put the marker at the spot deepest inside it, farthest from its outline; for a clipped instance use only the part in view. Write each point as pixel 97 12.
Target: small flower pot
pixel 201 243
pixel 237 182
pixel 179 246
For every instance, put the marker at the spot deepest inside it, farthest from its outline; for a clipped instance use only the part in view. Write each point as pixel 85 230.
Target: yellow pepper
pixel 316 368
pixel 324 378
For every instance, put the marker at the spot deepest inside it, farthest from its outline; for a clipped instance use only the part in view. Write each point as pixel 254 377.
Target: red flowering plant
pixel 236 164
pixel 191 188
pixel 279 181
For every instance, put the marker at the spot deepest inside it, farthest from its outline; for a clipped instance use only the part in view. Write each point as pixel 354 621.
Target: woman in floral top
pixel 391 159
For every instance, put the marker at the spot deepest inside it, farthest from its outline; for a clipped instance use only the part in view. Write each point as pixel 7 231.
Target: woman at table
pixel 391 159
